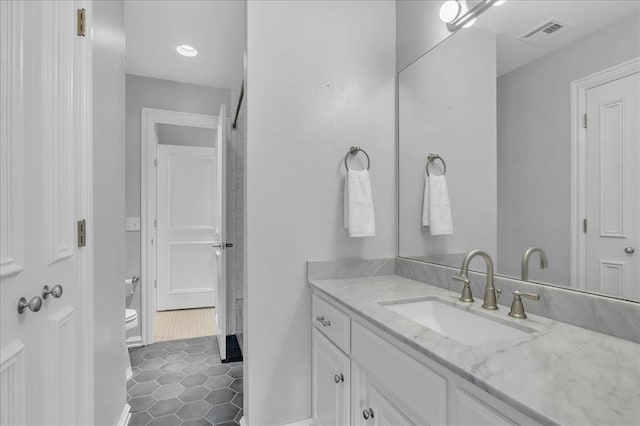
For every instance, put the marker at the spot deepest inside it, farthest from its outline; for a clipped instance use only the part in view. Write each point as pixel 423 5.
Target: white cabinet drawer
pixel 418 390
pixel 332 322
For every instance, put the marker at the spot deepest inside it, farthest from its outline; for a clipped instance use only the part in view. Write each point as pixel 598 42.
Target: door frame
pixel 579 90
pixel 148 203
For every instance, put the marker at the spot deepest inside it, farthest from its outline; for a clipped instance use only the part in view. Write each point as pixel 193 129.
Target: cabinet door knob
pixel 34 304
pixel 338 378
pixel 367 413
pixel 324 322
pixel 629 250
pixel 56 291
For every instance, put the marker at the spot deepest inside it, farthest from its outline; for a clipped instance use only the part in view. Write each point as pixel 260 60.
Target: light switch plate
pixel 132 224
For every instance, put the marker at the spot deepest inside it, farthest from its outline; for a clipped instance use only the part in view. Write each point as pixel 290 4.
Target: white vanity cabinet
pixel 361 376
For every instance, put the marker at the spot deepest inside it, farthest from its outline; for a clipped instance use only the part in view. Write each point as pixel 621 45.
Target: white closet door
pixel 45 139
pixel 188 210
pixel 613 192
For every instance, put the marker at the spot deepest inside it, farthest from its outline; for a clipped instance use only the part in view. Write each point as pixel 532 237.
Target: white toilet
pixel 130 322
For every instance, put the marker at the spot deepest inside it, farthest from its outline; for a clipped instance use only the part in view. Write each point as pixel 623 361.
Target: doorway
pixel 607 200
pixel 183 225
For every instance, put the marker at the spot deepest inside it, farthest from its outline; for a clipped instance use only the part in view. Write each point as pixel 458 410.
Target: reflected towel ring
pixel 354 151
pixel 431 158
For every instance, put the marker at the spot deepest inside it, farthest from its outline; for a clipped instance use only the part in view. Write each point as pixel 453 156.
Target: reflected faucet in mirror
pixel 524 276
pixel 491 295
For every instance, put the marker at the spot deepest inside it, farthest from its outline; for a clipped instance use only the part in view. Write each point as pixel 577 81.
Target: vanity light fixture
pixel 186 50
pixel 456 14
pixel 449 11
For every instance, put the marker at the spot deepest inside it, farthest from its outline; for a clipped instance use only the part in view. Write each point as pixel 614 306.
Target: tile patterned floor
pixel 183 383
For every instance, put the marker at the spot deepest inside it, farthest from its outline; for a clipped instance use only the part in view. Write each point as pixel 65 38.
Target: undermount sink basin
pixel 463 326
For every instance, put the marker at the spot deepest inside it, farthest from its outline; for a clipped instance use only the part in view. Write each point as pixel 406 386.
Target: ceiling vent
pixel 541 33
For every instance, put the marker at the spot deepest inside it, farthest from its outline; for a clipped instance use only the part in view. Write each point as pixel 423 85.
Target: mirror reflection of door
pixel 613 188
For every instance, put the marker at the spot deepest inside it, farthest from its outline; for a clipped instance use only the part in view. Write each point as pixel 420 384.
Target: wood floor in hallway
pixel 184 324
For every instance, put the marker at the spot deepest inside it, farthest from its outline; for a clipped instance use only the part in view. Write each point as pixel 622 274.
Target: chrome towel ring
pixel 431 158
pixel 354 150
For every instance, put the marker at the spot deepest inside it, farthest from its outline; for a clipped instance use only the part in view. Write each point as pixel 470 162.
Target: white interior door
pixel 613 187
pixel 221 293
pixel 188 227
pixel 44 109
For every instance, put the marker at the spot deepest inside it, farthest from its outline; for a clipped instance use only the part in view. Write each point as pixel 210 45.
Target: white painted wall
pixel 534 164
pixel 419 29
pixel 320 79
pixel 162 94
pixel 108 209
pixel 447 106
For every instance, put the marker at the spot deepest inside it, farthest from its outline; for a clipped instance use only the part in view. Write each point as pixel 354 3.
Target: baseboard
pixel 305 422
pixel 134 342
pixel 129 373
pixel 125 416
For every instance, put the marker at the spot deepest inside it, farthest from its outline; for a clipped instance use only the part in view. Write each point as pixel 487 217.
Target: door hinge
pixel 82 233
pixel 584 120
pixel 155 162
pixel 82 22
pixel 155 223
pixel 584 225
pixel 155 283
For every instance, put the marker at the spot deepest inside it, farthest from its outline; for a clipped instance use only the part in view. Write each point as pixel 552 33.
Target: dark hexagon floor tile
pixel 141 389
pixel 141 403
pixel 138 351
pixel 194 393
pixel 168 391
pixel 218 382
pixel 130 383
pixel 173 377
pixel 177 347
pixel 193 410
pixel 154 354
pixel 239 415
pixel 152 364
pixel 236 385
pixel 238 401
pixel 194 380
pixel 165 407
pixel 217 370
pixel 140 419
pixel 196 357
pixel 195 349
pixel 171 420
pixel 174 356
pixel 235 372
pixel 222 413
pixel 194 368
pixel 213 360
pixel 146 376
pixel 197 422
pixel 173 366
pixel 136 360
pixel 220 396
pixel 212 351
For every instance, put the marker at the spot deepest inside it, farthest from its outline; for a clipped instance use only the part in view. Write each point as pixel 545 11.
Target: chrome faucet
pixel 524 276
pixel 490 293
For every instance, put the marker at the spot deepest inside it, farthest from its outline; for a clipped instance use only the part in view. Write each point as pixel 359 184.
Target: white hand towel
pixel 436 208
pixel 359 217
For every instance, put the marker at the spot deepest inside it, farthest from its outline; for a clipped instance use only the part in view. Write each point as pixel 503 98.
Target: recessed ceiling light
pixel 186 50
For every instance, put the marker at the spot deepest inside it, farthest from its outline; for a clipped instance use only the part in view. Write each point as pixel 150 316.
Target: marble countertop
pixel 558 374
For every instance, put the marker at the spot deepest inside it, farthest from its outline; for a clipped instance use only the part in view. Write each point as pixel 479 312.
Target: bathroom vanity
pixel 376 359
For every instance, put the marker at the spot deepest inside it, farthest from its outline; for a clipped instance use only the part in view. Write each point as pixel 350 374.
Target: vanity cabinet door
pixel 384 412
pixel 331 383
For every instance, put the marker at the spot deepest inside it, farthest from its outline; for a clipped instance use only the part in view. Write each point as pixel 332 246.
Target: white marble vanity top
pixel 558 374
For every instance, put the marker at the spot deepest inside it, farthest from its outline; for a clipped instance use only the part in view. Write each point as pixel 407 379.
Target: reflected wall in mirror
pixel 536 111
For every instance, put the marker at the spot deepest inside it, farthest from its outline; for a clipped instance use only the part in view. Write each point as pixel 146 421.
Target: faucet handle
pixel 466 295
pixel 517 308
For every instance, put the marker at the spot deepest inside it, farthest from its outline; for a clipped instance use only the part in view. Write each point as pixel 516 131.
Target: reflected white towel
pixel 359 217
pixel 436 209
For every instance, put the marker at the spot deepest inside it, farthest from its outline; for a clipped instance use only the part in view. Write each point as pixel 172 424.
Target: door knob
pixel 34 304
pixel 222 245
pixel 338 378
pixel 56 291
pixel 629 250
